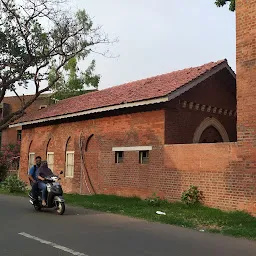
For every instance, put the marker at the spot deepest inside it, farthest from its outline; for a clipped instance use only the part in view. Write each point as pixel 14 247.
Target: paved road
pixel 24 232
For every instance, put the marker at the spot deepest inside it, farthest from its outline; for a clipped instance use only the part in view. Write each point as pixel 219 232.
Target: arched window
pixel 69 159
pixel 50 153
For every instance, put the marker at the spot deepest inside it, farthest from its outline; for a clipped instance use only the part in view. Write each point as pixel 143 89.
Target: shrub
pixel 3 171
pixel 192 196
pixel 154 200
pixel 12 184
pixel 8 154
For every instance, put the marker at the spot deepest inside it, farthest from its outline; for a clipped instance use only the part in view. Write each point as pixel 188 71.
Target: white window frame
pixel 42 106
pixel 50 153
pixel 29 159
pixel 141 157
pixel 19 130
pixel 135 148
pixel 66 164
pixel 119 159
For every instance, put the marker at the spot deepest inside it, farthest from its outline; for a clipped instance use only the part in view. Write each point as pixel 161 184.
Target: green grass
pixel 235 223
pixel 5 192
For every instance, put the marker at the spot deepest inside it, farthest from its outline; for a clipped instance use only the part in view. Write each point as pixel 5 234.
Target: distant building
pixel 12 104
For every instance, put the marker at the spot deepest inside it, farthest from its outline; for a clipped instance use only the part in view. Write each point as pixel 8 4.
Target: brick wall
pixel 246 71
pixel 246 84
pixel 9 136
pixel 215 169
pixel 128 178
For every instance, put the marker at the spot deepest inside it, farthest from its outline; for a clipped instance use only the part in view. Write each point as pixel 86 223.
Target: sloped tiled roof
pixel 15 103
pixel 144 89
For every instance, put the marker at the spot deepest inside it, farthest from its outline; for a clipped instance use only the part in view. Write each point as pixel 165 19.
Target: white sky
pixel 159 36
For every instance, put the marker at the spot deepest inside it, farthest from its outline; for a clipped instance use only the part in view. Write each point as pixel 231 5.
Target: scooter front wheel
pixel 37 207
pixel 60 208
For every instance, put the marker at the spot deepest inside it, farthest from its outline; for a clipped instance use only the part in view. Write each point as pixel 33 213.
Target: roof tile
pixel 144 89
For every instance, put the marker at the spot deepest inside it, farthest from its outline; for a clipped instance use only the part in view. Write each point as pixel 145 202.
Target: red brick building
pixel 114 140
pixel 11 104
pixel 226 172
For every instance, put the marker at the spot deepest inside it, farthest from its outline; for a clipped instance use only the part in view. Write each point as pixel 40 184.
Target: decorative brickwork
pixel 209 109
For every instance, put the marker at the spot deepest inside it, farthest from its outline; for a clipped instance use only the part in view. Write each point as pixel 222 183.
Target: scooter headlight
pixel 54 178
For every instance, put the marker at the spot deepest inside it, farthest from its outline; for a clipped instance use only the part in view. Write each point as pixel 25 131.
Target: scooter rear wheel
pixel 60 208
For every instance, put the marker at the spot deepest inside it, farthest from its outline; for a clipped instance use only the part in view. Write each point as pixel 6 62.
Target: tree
pixel 232 4
pixel 33 35
pixel 71 83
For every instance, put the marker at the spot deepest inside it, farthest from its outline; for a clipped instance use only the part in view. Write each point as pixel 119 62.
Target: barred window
pixel 50 160
pixel 31 160
pixel 144 157
pixel 119 157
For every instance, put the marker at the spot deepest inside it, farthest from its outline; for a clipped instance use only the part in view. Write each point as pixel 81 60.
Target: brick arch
pixel 29 147
pixel 47 146
pixel 210 121
pixel 49 143
pixel 65 151
pixel 66 145
pixel 90 158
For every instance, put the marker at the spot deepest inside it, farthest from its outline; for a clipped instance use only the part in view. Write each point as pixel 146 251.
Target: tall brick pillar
pixel 246 77
pixel 244 178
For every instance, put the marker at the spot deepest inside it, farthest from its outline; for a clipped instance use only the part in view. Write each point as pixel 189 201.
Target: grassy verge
pixel 205 219
pixel 5 192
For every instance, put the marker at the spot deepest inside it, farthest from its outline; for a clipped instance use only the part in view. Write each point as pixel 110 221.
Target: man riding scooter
pixel 32 177
pixel 42 172
pixel 51 193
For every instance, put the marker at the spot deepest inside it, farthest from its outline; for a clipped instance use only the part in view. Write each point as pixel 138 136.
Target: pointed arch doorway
pixel 210 131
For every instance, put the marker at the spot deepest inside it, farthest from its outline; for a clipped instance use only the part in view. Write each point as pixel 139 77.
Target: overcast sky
pixel 159 36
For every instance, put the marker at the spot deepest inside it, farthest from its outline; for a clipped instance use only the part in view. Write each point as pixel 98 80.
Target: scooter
pixel 54 196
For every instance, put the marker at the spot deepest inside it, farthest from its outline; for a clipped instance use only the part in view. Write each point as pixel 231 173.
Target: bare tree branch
pixel 28 47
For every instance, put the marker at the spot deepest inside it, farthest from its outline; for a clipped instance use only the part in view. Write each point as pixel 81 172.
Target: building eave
pixel 97 110
pixel 162 99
